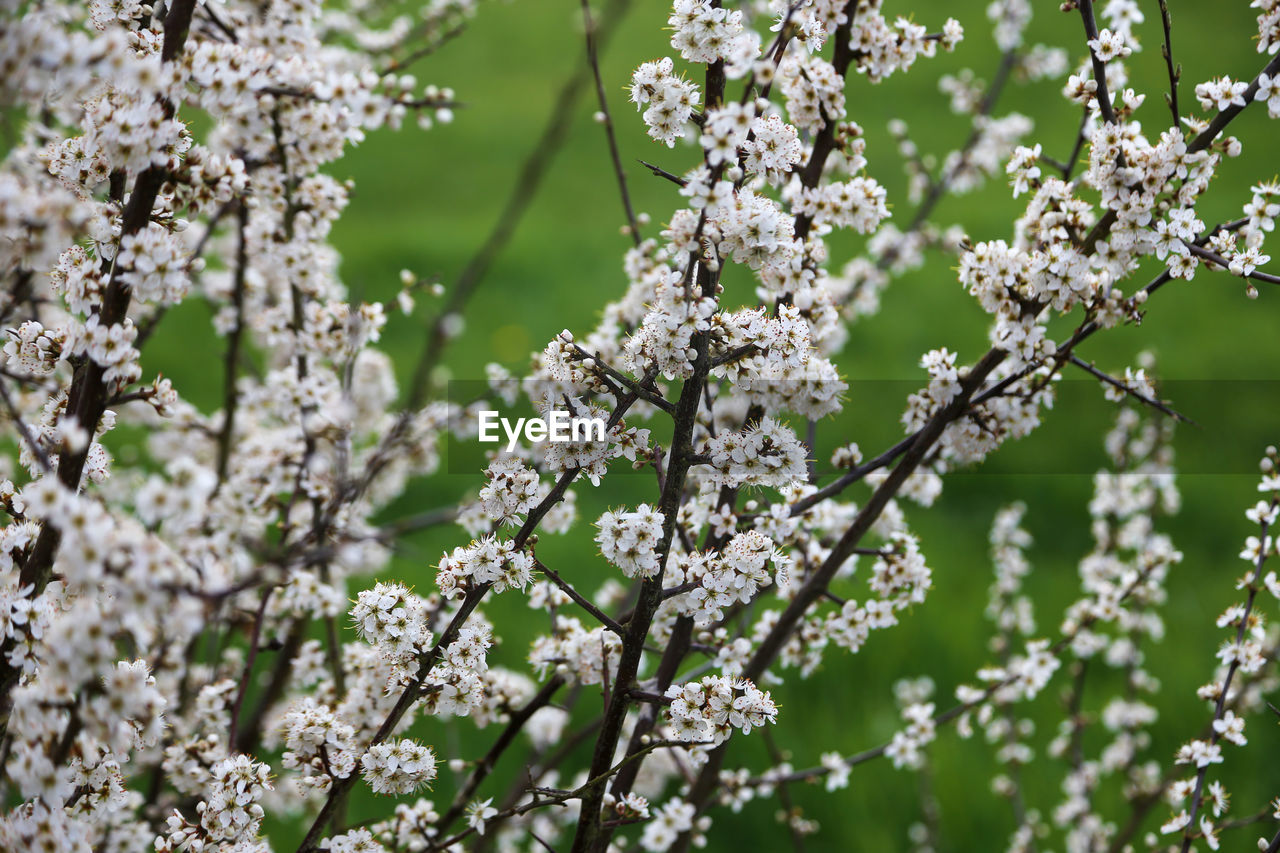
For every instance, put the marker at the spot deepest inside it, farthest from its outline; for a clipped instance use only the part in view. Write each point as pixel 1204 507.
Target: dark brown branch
pixel 591 836
pixel 825 141
pixel 734 355
pixel 485 766
pixel 1215 258
pixel 663 173
pixel 340 787
pixel 817 583
pixel 251 732
pixel 425 50
pixel 637 388
pixel 1224 117
pixel 1099 67
pixel 421 521
pixel 1175 72
pixel 939 188
pixel 1069 165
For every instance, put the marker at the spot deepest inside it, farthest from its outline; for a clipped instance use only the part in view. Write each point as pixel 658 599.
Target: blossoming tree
pixel 193 639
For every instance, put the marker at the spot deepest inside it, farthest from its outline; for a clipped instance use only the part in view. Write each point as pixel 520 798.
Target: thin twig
pixel 522 194
pixel 1215 258
pixel 36 449
pixel 485 765
pixel 230 397
pixel 633 227
pixel 637 388
pixel 579 599
pixel 663 173
pixel 250 658
pixel 1119 384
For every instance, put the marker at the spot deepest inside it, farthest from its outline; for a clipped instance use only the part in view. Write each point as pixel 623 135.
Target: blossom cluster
pixel 192 639
pixel 735 575
pixel 393 619
pixel 398 768
pixel 708 710
pixel 630 540
pixel 1241 658
pixel 486 561
pixel 765 454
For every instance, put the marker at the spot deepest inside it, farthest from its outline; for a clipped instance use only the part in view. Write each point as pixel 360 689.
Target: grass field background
pixel 425 201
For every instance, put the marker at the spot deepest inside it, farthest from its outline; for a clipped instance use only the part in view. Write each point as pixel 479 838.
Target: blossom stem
pixel 86 401
pixel 1220 707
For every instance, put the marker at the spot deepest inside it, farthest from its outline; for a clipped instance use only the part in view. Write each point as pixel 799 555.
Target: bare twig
pixel 663 173
pixel 578 598
pixel 250 658
pixel 522 194
pixel 633 227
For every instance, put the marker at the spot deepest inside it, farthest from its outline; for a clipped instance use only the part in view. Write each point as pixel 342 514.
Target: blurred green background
pixel 425 202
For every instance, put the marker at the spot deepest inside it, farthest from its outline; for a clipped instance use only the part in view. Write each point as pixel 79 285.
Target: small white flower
pixel 479 812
